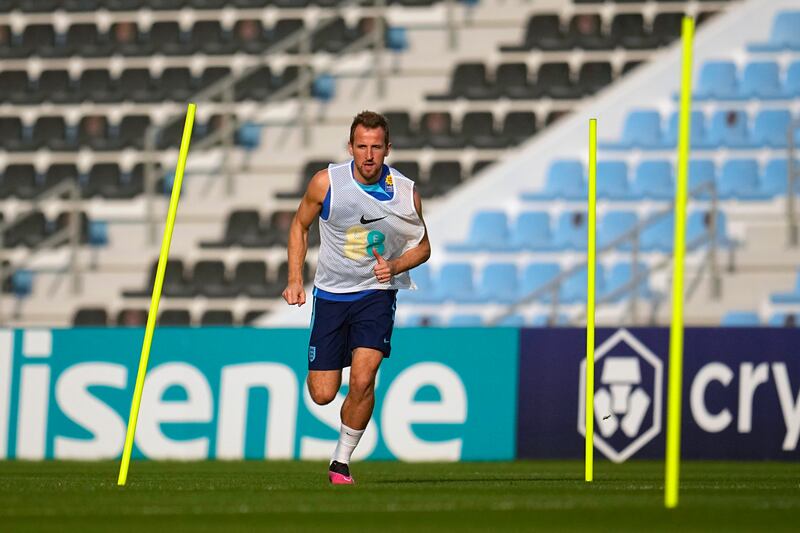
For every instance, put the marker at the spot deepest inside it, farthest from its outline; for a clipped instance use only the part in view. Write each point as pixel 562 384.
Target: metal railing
pixel 633 287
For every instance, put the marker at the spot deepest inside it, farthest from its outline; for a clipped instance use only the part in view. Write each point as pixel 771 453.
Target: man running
pixel 372 233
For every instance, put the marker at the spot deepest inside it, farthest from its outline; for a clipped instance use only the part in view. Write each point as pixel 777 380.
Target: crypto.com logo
pixel 622 397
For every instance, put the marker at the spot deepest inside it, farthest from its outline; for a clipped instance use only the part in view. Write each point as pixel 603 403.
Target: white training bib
pixel 356 223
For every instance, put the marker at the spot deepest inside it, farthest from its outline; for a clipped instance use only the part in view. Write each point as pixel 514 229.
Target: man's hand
pixel 383 268
pixel 294 294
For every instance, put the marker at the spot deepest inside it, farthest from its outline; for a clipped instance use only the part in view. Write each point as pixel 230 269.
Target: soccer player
pixel 372 233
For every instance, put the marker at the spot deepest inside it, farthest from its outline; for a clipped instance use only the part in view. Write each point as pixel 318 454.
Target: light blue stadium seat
pixel 717 81
pixel 421 321
pixel 22 283
pixel 791 87
pixel 771 127
pixel 784 34
pixel 620 276
pixel 465 321
pixel 658 235
pixel 697 228
pixel 564 180
pixel 537 275
pixel 697 127
pixel 737 319
pixel 573 290
pixel 774 182
pixel 396 38
pixel 324 87
pixel 762 80
pixel 489 231
pixel 571 231
pixel 729 128
pixel 739 180
pixel 783 320
pixel 642 130
pixel 545 321
pixel 788 297
pixel 531 231
pixel 613 225
pixel 511 321
pixel 498 283
pixel 612 180
pixel 653 180
pixel 423 279
pixel 455 283
pixel 701 173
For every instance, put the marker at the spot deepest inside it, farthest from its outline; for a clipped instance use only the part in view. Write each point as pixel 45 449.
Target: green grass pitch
pixel 295 496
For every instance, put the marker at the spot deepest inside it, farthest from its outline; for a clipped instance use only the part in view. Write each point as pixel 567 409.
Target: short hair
pixel 370 119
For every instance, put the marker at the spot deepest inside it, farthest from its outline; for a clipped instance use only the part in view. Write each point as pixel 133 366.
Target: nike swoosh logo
pixel 368 220
pixel 385 341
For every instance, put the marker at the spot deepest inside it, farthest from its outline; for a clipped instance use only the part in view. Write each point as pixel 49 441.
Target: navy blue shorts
pixel 337 328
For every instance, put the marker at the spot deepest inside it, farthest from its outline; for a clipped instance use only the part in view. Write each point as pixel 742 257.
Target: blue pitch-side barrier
pixel 445 394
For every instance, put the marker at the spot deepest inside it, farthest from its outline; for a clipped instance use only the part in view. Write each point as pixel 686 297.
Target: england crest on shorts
pixel 312 353
pixel 627 396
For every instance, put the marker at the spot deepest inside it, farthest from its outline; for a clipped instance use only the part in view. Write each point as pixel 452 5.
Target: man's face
pixel 368 150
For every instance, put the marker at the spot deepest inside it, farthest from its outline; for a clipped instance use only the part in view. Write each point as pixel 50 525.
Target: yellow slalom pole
pixel 675 387
pixel 591 258
pixel 159 281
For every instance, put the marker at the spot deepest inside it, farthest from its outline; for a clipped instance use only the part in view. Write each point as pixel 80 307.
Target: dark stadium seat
pixel 257 85
pixel 518 127
pixel 174 318
pixel 166 38
pixel 40 40
pixel 85 40
pixel 8 48
pixel 51 132
pixel 555 81
pixel 56 86
pixel 243 228
pixel 90 316
pixel 217 317
pixel 15 87
pixel 11 133
pixel 176 84
pixel 166 5
pixel 132 317
pixel 444 176
pixel 667 27
pixel 468 81
pixel 137 85
pixel 593 76
pixel 631 34
pixel 511 81
pixel 102 181
pixel 477 129
pixel 63 221
pixel 208 4
pixel 175 282
pixel 331 37
pixel 209 280
pixel 250 3
pixel 212 75
pixel 93 132
pixel 543 32
pixel 436 129
pixel 250 279
pixel 96 85
pixel 19 181
pixel 402 134
pixel 27 230
pixel 409 169
pixel 127 39
pixel 249 36
pixel 307 172
pixel 282 277
pixel 58 173
pixel 208 37
pixel 132 130
pixel 481 164
pixel 253 315
pixel 587 31
pixel 284 28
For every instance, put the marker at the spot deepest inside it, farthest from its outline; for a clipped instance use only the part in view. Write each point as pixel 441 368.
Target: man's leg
pixel 356 411
pixel 323 385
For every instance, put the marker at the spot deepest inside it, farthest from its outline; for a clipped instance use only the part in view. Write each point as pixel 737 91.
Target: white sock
pixel 348 440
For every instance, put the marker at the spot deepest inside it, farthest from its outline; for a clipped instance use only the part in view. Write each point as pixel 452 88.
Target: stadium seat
pixel 587 32
pixel 250 279
pixel 217 317
pixel 717 81
pixel 543 32
pixel 11 131
pixel 455 283
pixel 90 316
pixel 477 130
pixel 511 80
pixel 103 180
pixel 555 80
pixel 770 128
pixel 739 180
pixel 488 231
pixel 132 317
pixel 437 129
pixel 174 318
pixel 612 180
pixel 511 321
pixel 209 280
pixel 518 127
pixel 697 126
pixel 642 129
pixel 593 76
pixel 469 81
pixel 657 235
pixel 531 231
pixel 667 27
pixel 404 136
pixel 15 87
pixel 702 178
pixel 697 229
pixel 729 128
pixel 784 320
pixel 738 319
pixel 614 225
pixel 421 321
pixel 564 181
pixel 40 40
pixel 573 288
pixel 465 321
pixel 761 80
pixel 653 180
pixel 535 277
pixel 423 279
pixel 619 283
pixel 784 34
pixel 791 87
pixel 774 181
pixel 59 172
pixel 19 181
pixel 55 86
pixel 498 283
pixel 788 297
pixel 631 34
pixel 444 176
pixel 571 231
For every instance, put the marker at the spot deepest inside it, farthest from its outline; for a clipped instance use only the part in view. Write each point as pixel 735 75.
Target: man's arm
pixel 309 209
pixel 384 269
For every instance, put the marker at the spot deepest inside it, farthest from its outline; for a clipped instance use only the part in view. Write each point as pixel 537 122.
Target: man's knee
pixel 361 385
pixel 321 392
